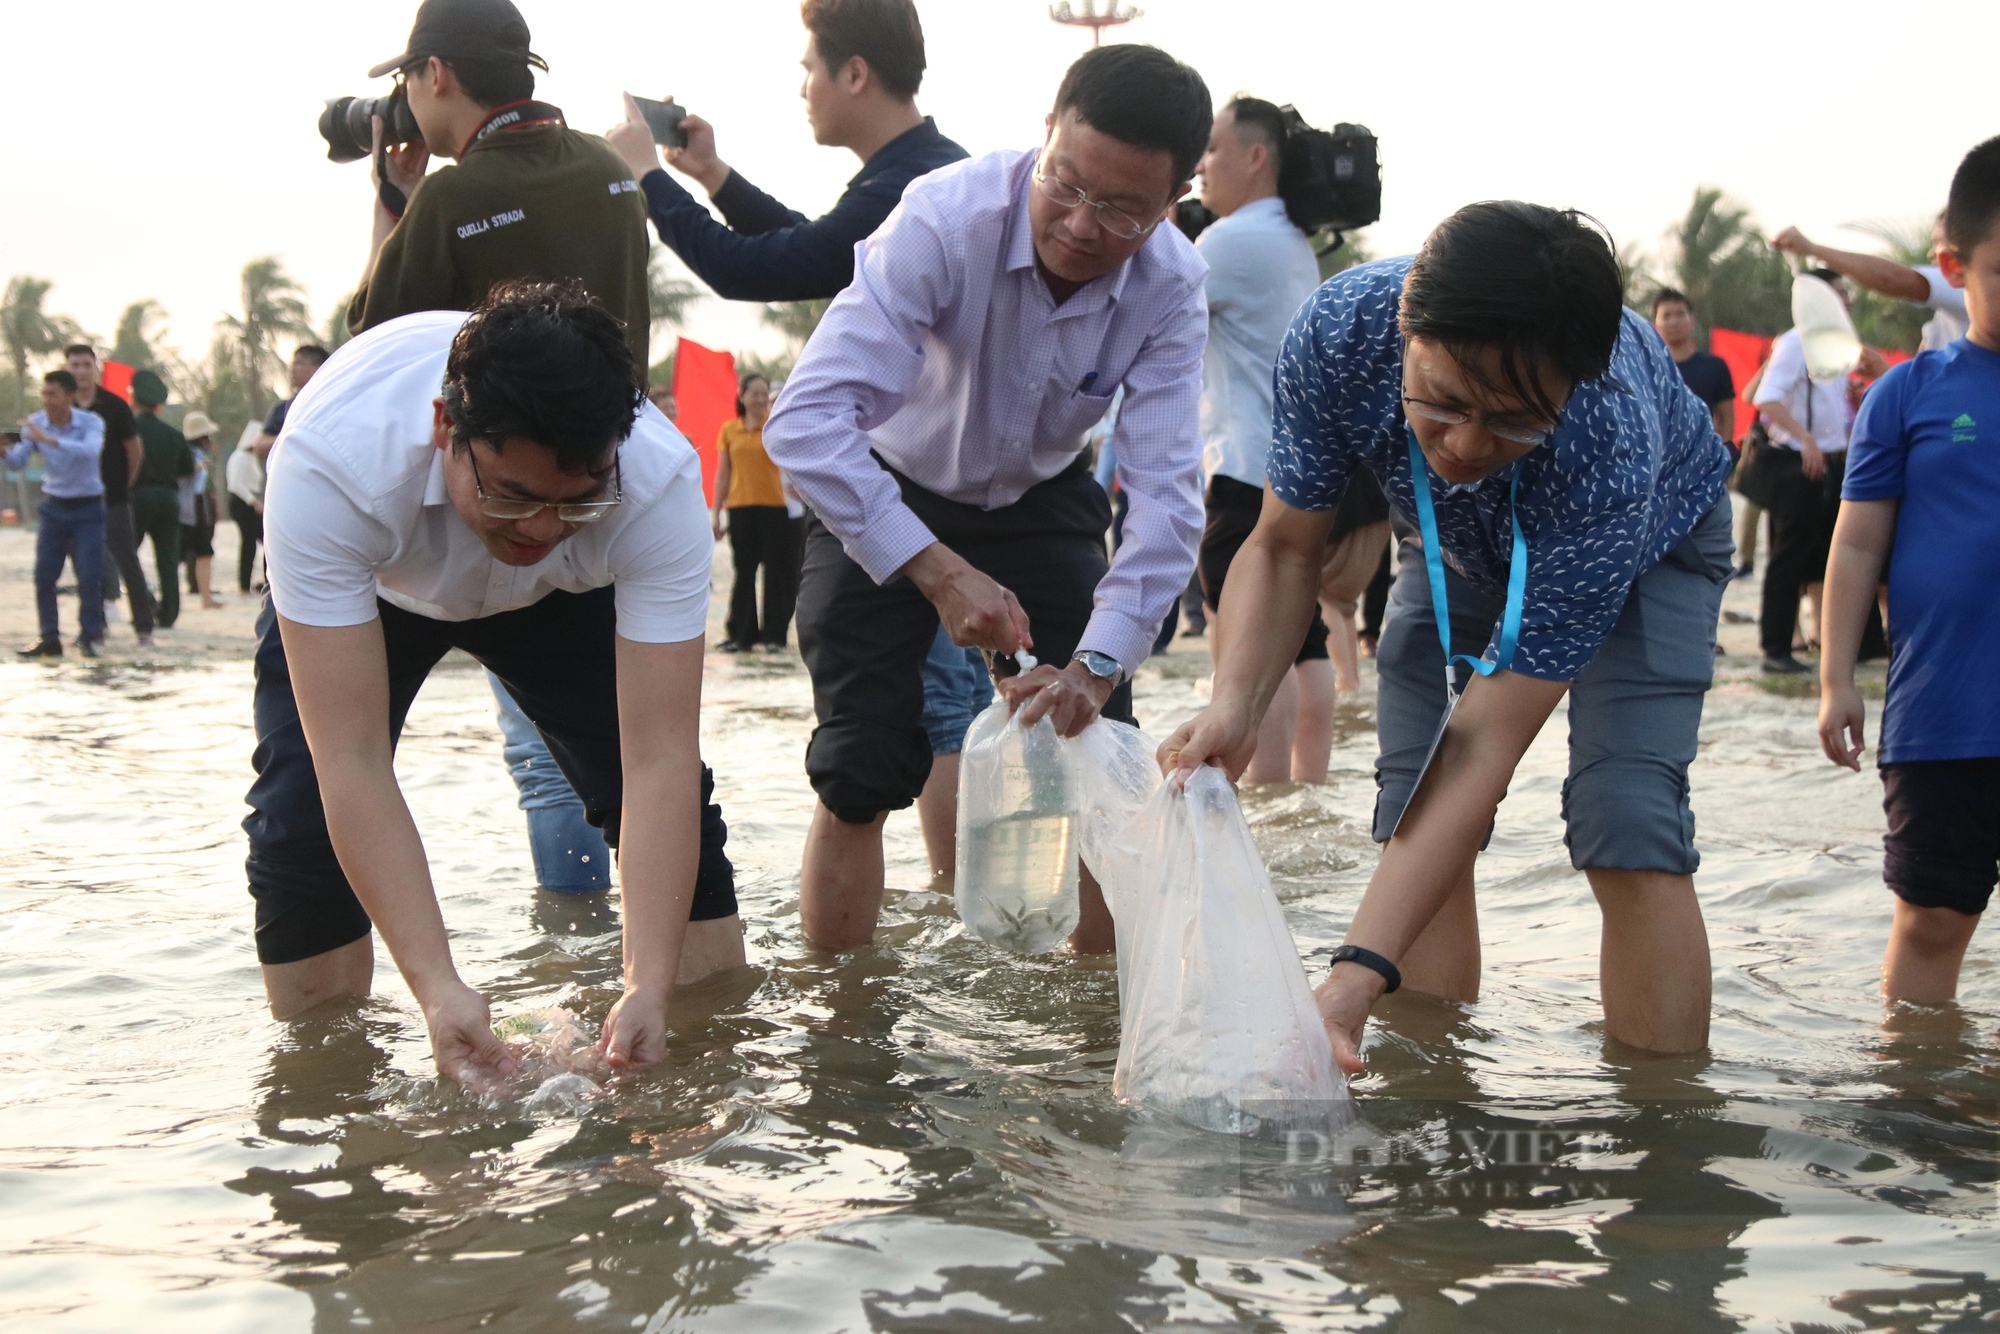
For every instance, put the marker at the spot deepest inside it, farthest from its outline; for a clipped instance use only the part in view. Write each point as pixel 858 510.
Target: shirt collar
pixel 909 141
pixel 435 492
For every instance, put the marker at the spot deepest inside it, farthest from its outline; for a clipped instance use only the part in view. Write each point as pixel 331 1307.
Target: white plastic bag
pixel 1020 811
pixel 1119 773
pixel 1218 1024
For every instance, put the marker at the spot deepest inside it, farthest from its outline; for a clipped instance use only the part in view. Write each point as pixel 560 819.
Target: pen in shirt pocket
pixel 1088 381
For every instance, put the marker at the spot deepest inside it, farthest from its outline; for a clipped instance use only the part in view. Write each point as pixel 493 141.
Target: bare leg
pixel 1273 761
pixel 1343 646
pixel 840 883
pixel 1345 573
pixel 1312 735
pixel 1653 967
pixel 1094 933
pixel 937 812
pixel 710 947
pixel 1444 958
pixel 1926 947
pixel 204 566
pixel 294 988
pixel 1813 595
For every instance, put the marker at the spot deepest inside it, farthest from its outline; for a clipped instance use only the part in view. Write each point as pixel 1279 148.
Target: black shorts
pixel 1943 845
pixel 1233 508
pixel 865 643
pixel 557 657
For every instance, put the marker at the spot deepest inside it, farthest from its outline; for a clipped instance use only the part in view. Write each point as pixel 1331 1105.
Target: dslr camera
pixel 1330 180
pixel 345 124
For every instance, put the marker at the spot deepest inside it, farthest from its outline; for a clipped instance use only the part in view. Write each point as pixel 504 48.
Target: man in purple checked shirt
pixel 934 426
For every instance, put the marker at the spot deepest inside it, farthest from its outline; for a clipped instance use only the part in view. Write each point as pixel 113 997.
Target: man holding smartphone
pixel 863 64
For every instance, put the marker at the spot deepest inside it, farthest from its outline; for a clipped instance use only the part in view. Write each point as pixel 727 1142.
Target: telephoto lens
pixel 344 124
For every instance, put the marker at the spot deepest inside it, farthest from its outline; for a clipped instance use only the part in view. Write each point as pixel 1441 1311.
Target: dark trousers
pixel 249 532
pixel 121 556
pixel 1376 600
pixel 766 536
pixel 157 512
pixel 558 660
pixel 865 643
pixel 70 530
pixel 1801 539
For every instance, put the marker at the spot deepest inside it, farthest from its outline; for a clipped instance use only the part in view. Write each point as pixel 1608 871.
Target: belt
pixel 73 500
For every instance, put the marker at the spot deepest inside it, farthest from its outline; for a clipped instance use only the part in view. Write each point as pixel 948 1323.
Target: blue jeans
pixel 957 688
pixel 71 530
pixel 569 852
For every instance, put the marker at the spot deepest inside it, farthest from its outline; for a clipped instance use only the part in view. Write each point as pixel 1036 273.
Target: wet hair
pixel 1540 284
pixel 312 352
pixel 544 362
pixel 1973 207
pixel 885 33
pixel 1141 96
pixel 743 386
pixel 79 350
pixel 63 378
pixel 1667 294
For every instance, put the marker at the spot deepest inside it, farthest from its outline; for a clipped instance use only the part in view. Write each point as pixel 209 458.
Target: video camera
pixel 1330 180
pixel 346 126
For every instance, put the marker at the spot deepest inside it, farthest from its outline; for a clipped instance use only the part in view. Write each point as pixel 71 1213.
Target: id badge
pixel 1437 739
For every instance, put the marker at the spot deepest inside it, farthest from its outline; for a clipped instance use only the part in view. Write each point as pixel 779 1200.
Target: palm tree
pixel 137 330
pixel 1731 277
pixel 669 294
pixel 1884 321
pixel 28 331
pixel 274 305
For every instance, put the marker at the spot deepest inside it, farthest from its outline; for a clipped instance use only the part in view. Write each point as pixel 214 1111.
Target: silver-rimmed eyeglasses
pixel 1437 412
pixel 587 511
pixel 1111 218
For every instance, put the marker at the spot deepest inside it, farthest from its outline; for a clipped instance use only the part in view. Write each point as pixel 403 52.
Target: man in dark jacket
pixel 863 65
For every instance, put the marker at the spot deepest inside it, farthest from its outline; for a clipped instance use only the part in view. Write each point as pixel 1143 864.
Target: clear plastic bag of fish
pixel 1218 1025
pixel 558 1056
pixel 1020 808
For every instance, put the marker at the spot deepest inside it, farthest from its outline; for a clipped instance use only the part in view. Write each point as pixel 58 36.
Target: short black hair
pixel 312 352
pixel 743 386
pixel 85 348
pixel 885 33
pixel 544 362
pixel 1666 294
pixel 1541 284
pixel 1973 206
pixel 63 378
pixel 1141 96
pixel 492 83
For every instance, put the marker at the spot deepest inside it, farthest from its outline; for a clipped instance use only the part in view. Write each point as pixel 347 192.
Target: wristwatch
pixel 1100 665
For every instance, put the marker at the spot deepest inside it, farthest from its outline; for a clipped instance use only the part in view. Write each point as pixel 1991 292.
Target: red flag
pixel 1744 353
pixel 705 397
pixel 117 377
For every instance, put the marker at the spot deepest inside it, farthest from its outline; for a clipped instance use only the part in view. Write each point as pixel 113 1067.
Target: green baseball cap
pixel 148 389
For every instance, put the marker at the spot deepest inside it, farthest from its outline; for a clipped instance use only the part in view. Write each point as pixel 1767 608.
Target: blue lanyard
pixel 1517 572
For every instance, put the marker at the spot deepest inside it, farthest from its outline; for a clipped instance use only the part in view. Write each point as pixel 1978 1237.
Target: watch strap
pixel 1369 959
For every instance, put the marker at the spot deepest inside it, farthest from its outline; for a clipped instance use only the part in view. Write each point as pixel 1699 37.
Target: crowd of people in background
pixel 1551 472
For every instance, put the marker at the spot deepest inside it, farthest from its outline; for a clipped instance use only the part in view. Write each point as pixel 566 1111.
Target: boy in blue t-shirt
pixel 1923 478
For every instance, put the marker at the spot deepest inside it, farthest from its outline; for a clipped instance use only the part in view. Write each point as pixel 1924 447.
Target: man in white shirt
pixel 1808 423
pixel 1921 284
pixel 1261 269
pixel 539 516
pixel 934 425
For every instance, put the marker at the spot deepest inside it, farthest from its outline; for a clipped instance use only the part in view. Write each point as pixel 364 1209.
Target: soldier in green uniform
pixel 156 491
pixel 528 197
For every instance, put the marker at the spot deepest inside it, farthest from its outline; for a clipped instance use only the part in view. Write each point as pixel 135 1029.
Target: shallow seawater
pixel 921 1135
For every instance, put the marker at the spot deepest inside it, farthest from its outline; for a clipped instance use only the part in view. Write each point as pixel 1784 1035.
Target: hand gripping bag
pixel 1218 1024
pixel 1020 812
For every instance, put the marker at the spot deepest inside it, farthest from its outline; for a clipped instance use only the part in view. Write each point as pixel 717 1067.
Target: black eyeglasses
pixel 588 511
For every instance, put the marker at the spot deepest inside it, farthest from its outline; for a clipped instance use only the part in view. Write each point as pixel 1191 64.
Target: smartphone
pixel 664 120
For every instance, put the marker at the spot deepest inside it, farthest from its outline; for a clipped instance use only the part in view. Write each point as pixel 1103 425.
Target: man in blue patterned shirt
pixel 1561 436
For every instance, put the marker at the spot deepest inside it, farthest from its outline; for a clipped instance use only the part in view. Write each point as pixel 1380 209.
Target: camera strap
pixel 513 116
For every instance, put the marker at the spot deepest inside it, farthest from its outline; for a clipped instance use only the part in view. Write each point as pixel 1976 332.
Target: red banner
pixel 1744 353
pixel 705 395
pixel 117 377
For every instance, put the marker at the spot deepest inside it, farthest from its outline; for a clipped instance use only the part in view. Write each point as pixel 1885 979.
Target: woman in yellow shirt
pixel 761 530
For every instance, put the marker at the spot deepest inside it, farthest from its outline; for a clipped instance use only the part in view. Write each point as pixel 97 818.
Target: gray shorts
pixel 1634 712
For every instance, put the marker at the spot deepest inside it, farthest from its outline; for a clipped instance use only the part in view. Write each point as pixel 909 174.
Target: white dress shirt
pixel 356 507
pixel 1950 323
pixel 1261 269
pixel 1785 381
pixel 244 476
pixel 948 357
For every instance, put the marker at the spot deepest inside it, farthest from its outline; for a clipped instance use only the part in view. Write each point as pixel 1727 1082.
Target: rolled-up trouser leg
pixel 1635 714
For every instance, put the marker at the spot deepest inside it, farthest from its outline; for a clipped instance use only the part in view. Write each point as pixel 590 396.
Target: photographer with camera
pixel 528 197
pixel 863 63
